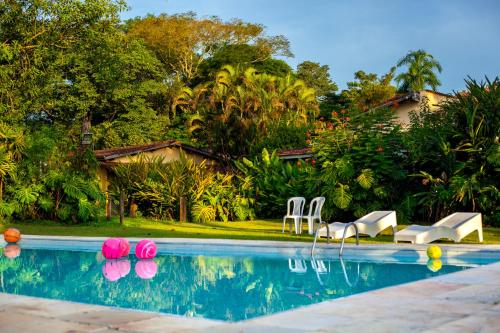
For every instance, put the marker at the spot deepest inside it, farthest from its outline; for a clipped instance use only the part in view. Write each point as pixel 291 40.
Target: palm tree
pixel 420 73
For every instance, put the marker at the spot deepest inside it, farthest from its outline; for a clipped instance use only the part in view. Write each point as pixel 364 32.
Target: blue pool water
pixel 216 287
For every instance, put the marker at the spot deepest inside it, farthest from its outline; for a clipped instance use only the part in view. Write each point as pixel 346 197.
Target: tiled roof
pixel 112 153
pixel 402 98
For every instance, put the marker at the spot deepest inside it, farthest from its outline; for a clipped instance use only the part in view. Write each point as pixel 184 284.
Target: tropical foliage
pixel 369 90
pixel 72 69
pixel 156 187
pixel 360 159
pixel 420 72
pixel 461 170
pixel 274 181
pixel 42 182
pixel 235 111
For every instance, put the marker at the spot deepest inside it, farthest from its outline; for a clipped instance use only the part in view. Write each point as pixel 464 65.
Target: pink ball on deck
pixel 111 248
pixel 116 269
pixel 145 249
pixel 146 269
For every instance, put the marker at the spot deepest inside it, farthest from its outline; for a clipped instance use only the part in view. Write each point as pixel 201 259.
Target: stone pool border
pixel 465 301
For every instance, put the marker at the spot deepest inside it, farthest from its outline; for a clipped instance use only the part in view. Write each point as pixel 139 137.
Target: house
pixel 167 151
pixel 404 104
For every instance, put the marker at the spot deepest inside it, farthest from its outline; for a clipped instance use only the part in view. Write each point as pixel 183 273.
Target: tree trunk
pixel 133 210
pixel 108 206
pixel 122 206
pixel 183 209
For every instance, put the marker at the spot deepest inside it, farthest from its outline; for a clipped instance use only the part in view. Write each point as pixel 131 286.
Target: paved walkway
pixel 466 301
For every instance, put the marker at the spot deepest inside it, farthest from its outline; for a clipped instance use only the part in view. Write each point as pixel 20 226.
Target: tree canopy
pixel 368 90
pixel 420 72
pixel 316 76
pixel 183 42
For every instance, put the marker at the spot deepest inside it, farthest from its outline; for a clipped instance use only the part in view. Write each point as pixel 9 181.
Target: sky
pixel 369 35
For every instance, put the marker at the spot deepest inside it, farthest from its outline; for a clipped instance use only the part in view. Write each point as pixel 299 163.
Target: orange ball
pixel 12 251
pixel 12 235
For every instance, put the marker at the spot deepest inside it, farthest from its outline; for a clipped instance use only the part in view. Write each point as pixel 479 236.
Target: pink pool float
pixel 146 269
pixel 115 248
pixel 114 270
pixel 145 249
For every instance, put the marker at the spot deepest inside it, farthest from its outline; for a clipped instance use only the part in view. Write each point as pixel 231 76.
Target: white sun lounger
pixel 455 227
pixel 371 224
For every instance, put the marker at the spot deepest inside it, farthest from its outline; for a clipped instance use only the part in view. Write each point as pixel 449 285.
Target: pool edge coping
pixel 301 314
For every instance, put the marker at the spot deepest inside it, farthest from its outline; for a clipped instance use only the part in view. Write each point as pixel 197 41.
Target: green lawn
pixel 142 227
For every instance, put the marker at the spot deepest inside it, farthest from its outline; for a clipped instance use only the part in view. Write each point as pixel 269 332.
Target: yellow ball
pixel 434 265
pixel 434 252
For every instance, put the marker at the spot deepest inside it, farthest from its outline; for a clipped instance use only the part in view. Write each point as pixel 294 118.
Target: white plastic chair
pixel 315 208
pixel 295 209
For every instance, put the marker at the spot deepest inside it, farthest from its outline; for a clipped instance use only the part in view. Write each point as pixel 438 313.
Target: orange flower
pixel 335 114
pixel 379 149
pixel 313 162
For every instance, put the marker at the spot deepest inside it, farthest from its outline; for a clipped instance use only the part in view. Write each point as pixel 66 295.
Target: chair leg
pixel 283 229
pixel 297 226
pixel 480 234
pixel 394 230
pixel 310 226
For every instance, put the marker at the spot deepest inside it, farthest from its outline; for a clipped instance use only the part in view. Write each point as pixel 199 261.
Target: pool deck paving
pixel 465 301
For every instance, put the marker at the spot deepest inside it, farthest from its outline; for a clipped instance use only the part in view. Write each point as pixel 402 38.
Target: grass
pixel 255 230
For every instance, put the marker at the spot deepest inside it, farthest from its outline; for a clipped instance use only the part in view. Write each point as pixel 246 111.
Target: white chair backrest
pixel 295 206
pixel 316 206
pixel 454 220
pixel 374 216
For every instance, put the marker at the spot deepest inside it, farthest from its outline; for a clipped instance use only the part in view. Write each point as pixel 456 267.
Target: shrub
pixel 458 156
pixel 156 188
pixel 274 181
pixel 360 156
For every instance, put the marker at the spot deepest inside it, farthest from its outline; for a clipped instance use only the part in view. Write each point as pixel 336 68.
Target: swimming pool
pixel 222 287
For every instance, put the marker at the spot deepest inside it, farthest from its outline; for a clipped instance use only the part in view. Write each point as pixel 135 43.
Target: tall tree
pixel 368 90
pixel 33 35
pixel 243 55
pixel 420 73
pixel 237 108
pixel 183 42
pixel 316 76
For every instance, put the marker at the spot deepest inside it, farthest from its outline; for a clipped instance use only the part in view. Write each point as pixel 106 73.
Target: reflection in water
pixel 146 269
pixel 297 265
pixel 226 288
pixel 12 251
pixel 115 269
pixel 346 277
